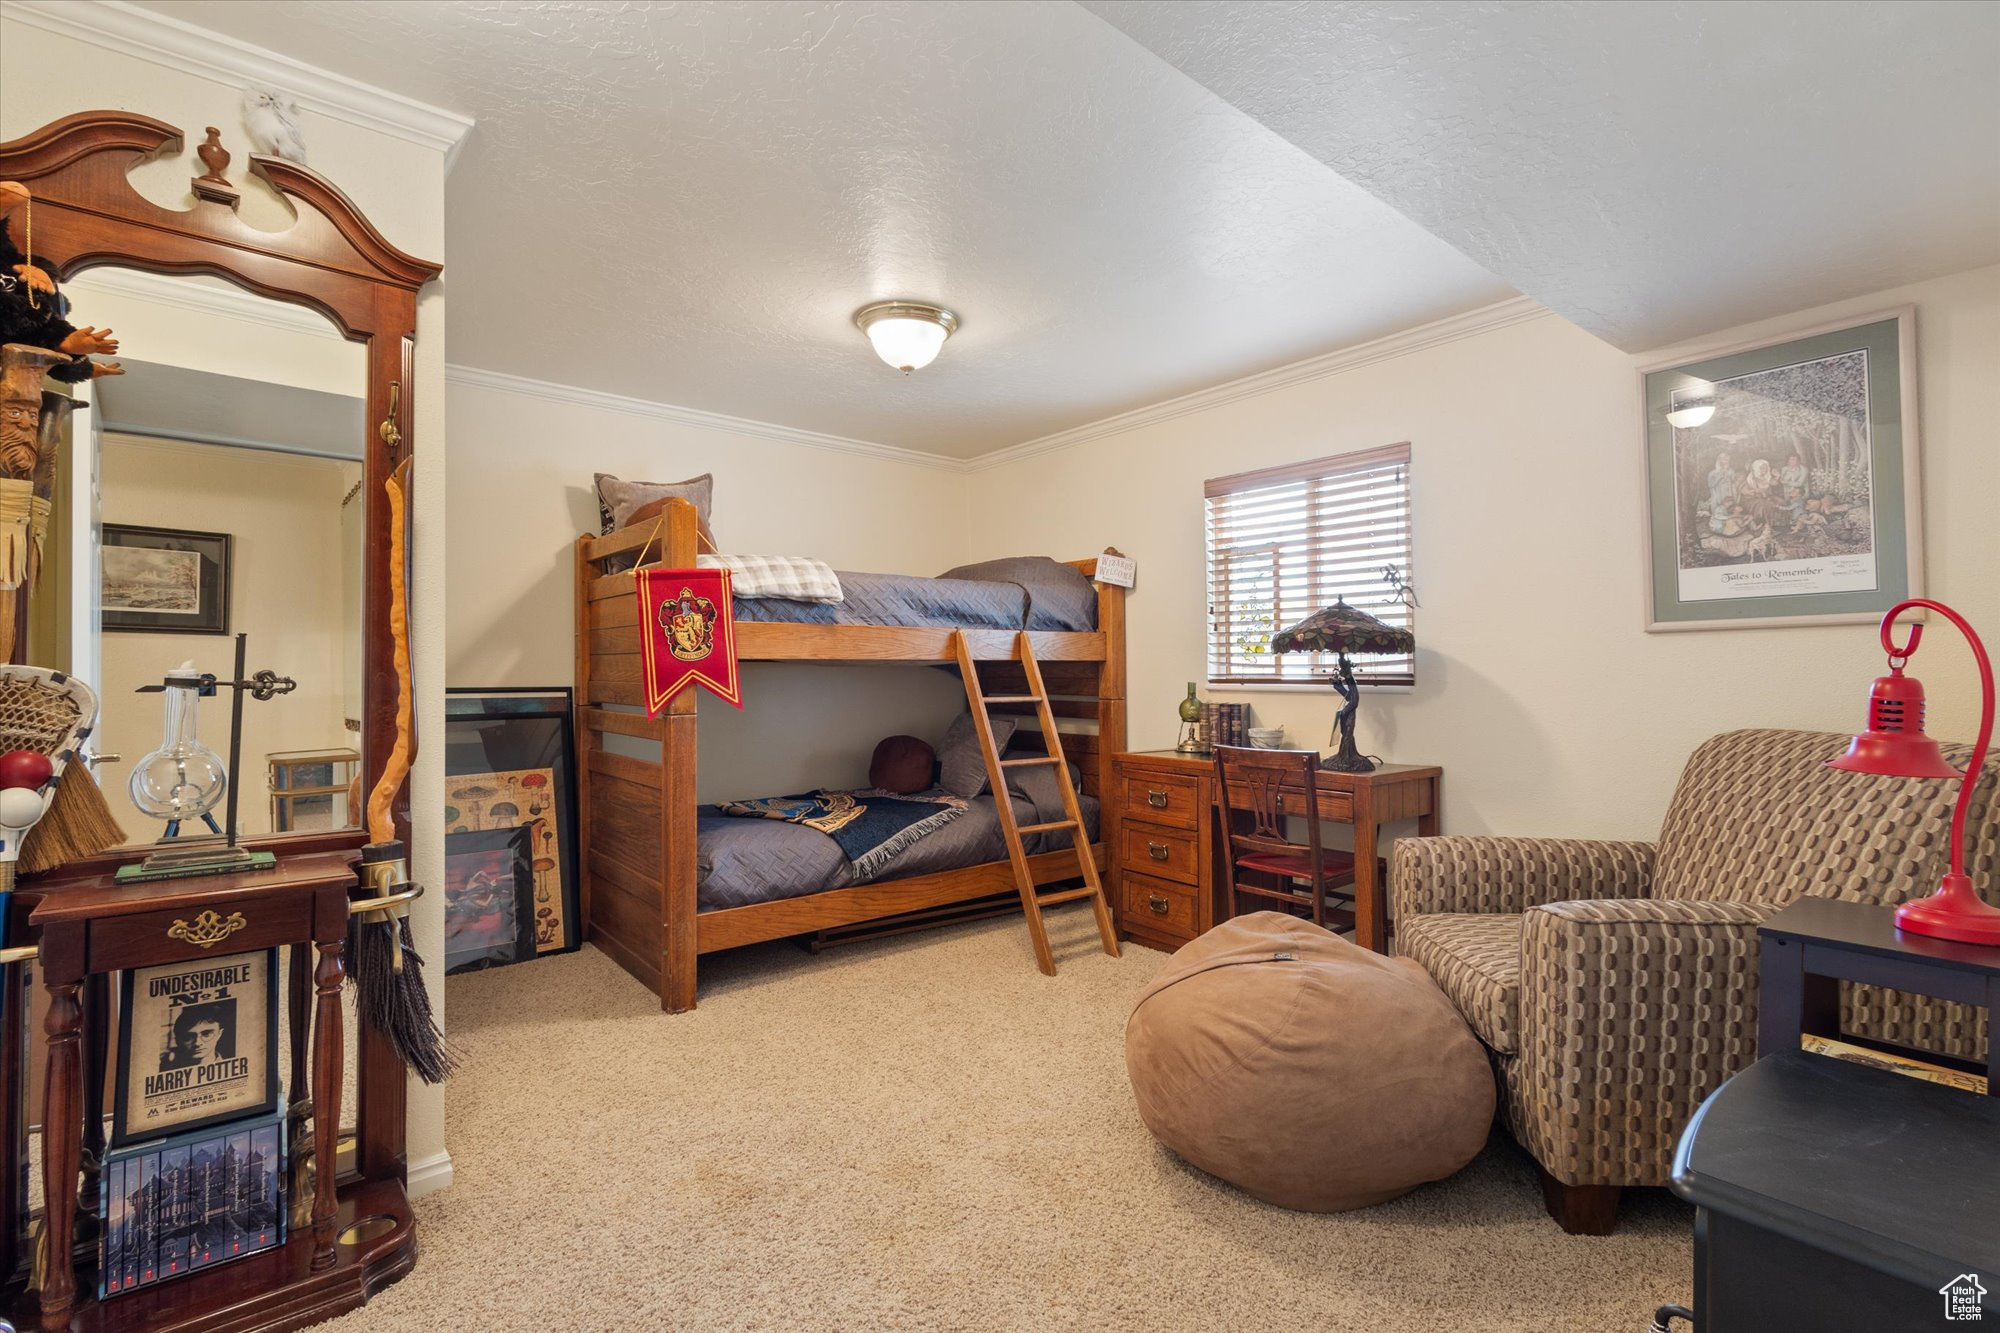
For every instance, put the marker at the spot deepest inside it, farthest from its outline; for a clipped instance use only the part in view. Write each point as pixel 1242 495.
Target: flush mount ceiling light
pixel 906 334
pixel 1690 407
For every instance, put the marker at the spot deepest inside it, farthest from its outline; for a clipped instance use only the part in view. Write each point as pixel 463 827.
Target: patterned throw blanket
pixel 869 826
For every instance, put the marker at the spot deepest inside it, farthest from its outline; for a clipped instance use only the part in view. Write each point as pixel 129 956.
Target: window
pixel 1286 541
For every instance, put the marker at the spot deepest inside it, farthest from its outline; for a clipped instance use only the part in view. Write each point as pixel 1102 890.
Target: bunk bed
pixel 638 838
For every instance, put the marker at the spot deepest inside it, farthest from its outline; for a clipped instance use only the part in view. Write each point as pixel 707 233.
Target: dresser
pixel 1167 847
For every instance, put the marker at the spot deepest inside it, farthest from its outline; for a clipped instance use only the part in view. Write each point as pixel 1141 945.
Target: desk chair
pixel 1253 781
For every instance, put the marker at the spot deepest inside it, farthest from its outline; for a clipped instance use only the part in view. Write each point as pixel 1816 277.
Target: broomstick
pixel 385 967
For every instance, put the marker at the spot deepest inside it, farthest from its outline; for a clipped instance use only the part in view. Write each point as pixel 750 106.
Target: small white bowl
pixel 1267 738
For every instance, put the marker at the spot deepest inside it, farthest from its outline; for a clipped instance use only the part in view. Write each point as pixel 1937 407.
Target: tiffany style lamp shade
pixel 1342 629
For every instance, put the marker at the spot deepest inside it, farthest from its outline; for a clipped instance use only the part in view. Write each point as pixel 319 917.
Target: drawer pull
pixel 1156 799
pixel 208 929
pixel 1157 850
pixel 1157 903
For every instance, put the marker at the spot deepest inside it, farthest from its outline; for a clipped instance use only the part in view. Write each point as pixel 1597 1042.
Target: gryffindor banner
pixel 686 632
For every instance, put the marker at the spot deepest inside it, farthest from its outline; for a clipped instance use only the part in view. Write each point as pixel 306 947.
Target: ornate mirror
pixel 231 480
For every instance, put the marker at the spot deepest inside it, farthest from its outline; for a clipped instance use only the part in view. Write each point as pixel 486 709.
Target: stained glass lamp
pixel 1342 629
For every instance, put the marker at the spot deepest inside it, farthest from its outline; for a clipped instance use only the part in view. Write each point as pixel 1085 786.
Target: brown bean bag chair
pixel 1305 1070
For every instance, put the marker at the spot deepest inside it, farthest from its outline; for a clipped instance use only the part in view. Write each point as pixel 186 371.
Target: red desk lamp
pixel 1895 746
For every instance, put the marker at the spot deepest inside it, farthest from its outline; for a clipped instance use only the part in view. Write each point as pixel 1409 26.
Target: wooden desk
pixel 1166 863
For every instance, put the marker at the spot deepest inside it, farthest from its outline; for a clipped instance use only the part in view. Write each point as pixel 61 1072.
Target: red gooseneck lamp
pixel 1895 746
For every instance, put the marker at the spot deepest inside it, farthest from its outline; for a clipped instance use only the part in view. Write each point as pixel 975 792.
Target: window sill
pixel 1303 687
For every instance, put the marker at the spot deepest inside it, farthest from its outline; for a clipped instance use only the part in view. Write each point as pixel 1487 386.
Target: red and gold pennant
pixel 687 632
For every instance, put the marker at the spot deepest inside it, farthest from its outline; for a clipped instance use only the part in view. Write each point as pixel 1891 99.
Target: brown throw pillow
pixel 902 764
pixel 619 502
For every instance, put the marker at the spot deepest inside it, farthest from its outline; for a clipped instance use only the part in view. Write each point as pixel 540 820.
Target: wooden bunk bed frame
pixel 636 847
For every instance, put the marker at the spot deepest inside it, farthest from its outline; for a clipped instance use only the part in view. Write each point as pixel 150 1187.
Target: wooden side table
pixel 90 931
pixel 1166 872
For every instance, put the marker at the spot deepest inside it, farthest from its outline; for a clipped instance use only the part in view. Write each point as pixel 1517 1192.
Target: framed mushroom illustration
pixel 521 799
pixel 508 767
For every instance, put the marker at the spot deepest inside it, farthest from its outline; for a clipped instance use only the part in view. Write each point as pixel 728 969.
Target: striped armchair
pixel 1615 983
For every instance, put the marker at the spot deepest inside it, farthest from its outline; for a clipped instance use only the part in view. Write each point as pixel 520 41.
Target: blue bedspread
pixel 905 599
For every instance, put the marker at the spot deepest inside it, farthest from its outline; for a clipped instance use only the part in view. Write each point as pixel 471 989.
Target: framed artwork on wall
pixel 1782 480
pixel 164 580
pixel 197 1044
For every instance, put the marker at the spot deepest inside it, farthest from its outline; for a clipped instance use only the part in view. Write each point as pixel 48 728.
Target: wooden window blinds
pixel 1284 542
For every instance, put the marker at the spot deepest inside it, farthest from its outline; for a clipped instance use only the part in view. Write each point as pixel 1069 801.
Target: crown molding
pixel 212 297
pixel 1486 319
pixel 162 40
pixel 572 395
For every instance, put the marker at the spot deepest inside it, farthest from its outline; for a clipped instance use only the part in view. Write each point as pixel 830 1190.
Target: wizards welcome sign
pixel 686 633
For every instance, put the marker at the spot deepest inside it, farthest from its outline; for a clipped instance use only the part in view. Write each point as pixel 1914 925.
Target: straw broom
pixel 384 965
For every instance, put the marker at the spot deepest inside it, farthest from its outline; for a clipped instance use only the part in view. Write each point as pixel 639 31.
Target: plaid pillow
pixel 788 576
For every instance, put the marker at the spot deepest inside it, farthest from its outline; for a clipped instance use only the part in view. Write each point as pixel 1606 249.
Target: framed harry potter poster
pixel 197 1045
pixel 1782 480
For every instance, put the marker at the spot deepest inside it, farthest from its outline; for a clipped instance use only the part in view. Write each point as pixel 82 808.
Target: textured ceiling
pixel 1651 171
pixel 1129 200
pixel 686 203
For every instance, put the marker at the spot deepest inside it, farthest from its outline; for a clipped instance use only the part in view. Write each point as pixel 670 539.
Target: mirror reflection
pixel 213 489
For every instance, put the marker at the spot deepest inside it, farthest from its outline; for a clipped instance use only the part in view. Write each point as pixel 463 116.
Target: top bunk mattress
pixel 1028 592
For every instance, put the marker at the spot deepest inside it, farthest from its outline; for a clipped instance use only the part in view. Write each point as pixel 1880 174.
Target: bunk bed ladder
pixel 1032 902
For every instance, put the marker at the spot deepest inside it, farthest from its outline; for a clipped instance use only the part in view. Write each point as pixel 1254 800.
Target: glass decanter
pixel 1192 740
pixel 183 779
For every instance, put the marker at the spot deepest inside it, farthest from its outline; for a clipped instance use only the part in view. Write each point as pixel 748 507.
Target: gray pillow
pixel 963 767
pixel 1036 784
pixel 617 500
pixel 1059 596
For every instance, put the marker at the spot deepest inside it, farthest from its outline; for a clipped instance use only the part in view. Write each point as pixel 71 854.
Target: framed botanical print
pixel 1782 480
pixel 164 580
pixel 508 762
pixel 197 1044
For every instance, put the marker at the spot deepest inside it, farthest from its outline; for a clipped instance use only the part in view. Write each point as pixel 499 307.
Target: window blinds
pixel 1284 542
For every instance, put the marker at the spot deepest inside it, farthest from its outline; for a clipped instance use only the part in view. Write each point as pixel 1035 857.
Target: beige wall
pixel 520 483
pixel 287 566
pixel 399 185
pixel 1551 709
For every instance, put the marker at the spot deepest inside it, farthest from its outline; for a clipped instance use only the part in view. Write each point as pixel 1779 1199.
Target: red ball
pixel 25 768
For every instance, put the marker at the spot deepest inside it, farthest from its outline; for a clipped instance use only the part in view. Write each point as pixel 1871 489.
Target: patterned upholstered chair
pixel 1615 983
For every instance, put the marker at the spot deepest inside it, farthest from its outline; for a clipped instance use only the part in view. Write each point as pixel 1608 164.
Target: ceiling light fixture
pixel 906 334
pixel 1688 408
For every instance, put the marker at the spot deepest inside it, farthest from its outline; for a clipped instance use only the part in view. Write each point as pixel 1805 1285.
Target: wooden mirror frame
pixel 333 260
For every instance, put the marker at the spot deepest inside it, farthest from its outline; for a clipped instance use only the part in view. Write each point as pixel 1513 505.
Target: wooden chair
pixel 1252 782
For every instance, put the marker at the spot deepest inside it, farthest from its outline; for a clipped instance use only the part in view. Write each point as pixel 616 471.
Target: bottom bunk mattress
pixel 746 861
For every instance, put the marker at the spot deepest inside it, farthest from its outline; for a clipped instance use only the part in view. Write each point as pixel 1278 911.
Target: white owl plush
pixel 273 122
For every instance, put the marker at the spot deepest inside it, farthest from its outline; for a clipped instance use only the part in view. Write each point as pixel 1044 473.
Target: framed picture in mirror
pixel 164 580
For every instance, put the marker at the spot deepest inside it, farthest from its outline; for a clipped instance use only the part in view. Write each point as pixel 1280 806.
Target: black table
pixel 1831 1196
pixel 1814 944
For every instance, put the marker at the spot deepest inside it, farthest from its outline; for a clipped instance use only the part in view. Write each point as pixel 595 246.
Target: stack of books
pixel 176 1206
pixel 1227 723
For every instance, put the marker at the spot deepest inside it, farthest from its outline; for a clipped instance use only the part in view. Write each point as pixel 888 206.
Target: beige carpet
pixel 925 1133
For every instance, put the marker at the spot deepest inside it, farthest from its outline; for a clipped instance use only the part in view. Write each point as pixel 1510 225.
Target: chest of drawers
pixel 1164 862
